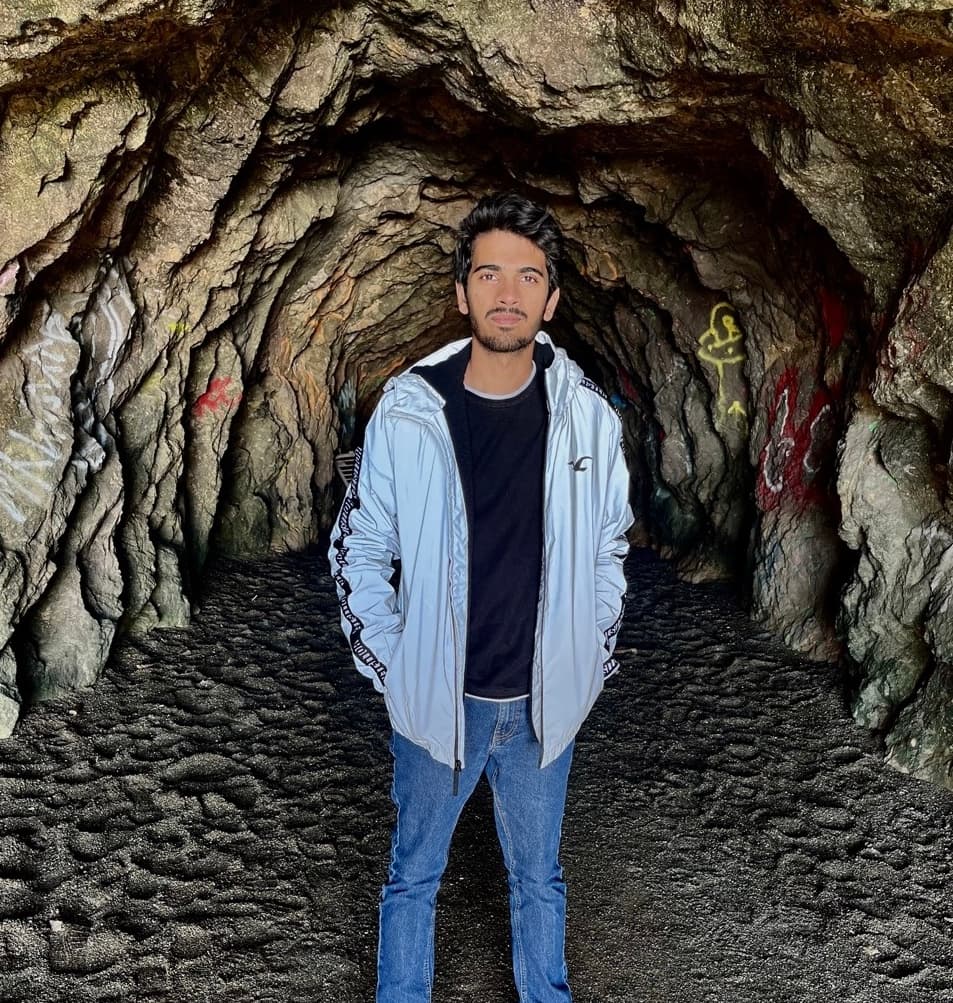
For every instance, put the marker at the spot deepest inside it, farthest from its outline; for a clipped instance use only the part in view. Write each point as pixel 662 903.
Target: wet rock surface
pixel 211 822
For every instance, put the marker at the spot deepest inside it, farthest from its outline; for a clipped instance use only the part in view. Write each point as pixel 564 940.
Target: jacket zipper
pixel 456 701
pixel 456 676
pixel 538 661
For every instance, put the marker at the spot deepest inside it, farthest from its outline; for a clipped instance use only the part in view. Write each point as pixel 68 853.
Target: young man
pixel 493 469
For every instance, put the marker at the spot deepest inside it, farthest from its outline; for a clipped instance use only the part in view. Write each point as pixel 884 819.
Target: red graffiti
pixel 628 388
pixel 835 318
pixel 219 394
pixel 795 459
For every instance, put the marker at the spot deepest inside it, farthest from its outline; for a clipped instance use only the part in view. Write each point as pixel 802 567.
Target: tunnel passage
pixel 223 233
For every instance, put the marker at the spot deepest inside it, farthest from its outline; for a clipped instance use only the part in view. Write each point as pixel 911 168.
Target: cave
pixel 223 232
pixel 224 226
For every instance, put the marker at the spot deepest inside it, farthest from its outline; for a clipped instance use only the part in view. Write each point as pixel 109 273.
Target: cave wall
pixel 223 226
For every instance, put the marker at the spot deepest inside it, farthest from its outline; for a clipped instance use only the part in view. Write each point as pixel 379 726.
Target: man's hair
pixel 511 212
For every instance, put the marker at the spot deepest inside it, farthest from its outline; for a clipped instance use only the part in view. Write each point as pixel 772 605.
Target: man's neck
pixel 498 372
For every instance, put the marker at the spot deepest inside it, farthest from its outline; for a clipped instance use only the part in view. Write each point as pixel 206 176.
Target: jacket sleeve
pixel 364 541
pixel 613 546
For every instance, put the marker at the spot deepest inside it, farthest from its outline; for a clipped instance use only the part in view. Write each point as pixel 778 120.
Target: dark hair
pixel 511 212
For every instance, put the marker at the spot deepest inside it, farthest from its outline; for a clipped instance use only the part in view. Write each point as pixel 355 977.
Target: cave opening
pixel 664 228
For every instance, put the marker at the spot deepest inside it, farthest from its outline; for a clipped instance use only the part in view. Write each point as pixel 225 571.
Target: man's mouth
pixel 504 318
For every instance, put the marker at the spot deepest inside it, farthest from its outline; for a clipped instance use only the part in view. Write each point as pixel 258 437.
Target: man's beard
pixel 500 343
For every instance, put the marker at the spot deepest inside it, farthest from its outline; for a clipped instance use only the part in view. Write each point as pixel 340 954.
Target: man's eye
pixel 531 278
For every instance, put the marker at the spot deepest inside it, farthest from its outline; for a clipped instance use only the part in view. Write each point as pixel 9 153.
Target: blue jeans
pixel 528 805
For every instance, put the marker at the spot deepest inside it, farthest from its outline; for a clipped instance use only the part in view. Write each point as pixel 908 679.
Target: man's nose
pixel 508 291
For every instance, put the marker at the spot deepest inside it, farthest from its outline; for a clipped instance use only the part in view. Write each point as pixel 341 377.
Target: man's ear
pixel 462 305
pixel 551 304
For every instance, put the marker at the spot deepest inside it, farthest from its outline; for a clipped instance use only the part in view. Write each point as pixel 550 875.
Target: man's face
pixel 507 293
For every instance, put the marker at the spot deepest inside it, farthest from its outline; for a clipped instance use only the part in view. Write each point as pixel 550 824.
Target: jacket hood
pixel 430 382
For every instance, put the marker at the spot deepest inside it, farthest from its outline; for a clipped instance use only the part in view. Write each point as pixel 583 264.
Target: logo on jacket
pixel 579 465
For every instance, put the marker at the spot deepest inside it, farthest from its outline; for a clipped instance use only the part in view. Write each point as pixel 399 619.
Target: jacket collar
pixel 429 384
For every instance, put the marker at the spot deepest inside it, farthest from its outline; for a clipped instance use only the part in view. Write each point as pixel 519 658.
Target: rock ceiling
pixel 224 225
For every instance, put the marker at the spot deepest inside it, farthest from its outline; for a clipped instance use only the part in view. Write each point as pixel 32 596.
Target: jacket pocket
pixel 395 691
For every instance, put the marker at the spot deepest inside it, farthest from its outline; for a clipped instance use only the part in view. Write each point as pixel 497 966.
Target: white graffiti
pixel 775 459
pixel 36 449
pixel 819 436
pixel 113 307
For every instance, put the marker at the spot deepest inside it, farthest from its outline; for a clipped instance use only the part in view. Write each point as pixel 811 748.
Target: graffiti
pixel 220 394
pixel 36 449
pixel 114 305
pixel 722 344
pixel 793 459
pixel 820 434
pixel 628 388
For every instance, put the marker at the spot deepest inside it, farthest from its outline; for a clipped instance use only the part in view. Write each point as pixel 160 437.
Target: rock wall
pixel 223 226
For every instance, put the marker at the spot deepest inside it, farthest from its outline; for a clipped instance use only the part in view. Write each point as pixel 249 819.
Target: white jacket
pixel 405 501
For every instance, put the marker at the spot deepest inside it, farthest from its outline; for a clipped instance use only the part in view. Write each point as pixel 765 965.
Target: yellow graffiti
pixel 153 382
pixel 739 409
pixel 722 344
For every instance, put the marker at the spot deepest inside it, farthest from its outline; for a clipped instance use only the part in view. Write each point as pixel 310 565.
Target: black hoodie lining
pixel 447 379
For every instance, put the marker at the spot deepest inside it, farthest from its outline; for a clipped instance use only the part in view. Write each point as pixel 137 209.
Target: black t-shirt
pixel 507 439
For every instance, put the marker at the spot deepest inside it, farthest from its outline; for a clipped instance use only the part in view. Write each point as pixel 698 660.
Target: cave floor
pixel 211 823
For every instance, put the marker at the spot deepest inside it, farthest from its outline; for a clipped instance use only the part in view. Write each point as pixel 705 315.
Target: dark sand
pixel 211 823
